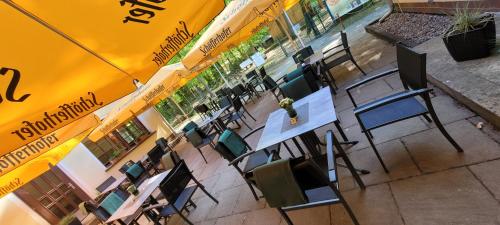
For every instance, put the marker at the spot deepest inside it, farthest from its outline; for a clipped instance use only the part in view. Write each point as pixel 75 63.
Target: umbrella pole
pixel 223 78
pixel 287 18
pixel 179 107
pixel 164 120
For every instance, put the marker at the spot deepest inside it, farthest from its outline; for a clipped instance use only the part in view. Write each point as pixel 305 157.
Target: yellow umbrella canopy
pixel 136 36
pixel 239 20
pixel 24 164
pixel 47 82
pixel 66 59
pixel 161 85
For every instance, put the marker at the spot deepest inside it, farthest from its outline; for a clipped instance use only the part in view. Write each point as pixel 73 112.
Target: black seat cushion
pixel 390 113
pixel 182 200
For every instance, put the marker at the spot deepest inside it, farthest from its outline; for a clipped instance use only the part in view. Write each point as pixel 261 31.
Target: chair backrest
pixel 269 82
pixel 111 203
pixel 238 90
pixel 175 182
pixel 262 72
pixel 125 166
pixel 189 126
pixel 343 37
pixel 294 74
pixel 163 143
pixel 224 101
pixel 251 74
pixel 278 184
pixel 231 145
pixel 306 175
pixel 296 88
pixel 201 108
pixel 237 104
pixel 412 67
pixel 302 54
pixel 155 154
pixel 194 137
pixel 135 171
pixel 99 212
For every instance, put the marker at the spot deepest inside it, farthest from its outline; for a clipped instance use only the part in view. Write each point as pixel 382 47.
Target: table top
pixel 133 203
pixel 320 112
pixel 214 116
pixel 314 58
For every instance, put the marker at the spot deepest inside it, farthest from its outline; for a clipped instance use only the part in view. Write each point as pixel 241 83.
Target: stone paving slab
pixel 450 197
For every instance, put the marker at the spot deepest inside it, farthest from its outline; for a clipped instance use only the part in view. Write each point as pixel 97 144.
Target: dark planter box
pixel 474 44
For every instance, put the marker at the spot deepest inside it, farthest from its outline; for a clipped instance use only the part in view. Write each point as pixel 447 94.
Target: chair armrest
pixel 364 81
pixel 241 157
pixel 333 54
pixel 253 131
pixel 395 98
pixel 330 154
pixel 374 77
pixel 332 48
pixel 159 205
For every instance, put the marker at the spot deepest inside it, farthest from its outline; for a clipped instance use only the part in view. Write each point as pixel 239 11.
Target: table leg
pixel 298 146
pixel 348 163
pixel 342 134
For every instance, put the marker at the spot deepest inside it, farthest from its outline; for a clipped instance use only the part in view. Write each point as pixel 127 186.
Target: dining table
pixel 133 204
pixel 313 111
pixel 215 118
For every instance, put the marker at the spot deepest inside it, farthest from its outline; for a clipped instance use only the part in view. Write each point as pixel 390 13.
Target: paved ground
pixel 429 183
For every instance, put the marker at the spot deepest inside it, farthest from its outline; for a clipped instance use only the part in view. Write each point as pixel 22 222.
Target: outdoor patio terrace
pixel 429 182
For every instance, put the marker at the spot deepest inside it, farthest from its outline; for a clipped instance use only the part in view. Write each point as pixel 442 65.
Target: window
pixel 118 142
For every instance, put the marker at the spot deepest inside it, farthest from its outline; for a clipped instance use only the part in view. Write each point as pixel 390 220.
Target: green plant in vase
pixel 287 104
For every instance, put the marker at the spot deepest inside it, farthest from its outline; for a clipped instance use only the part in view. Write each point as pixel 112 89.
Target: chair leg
pixel 246 124
pixel 376 152
pixel 356 64
pixel 253 190
pixel 249 113
pixel 439 124
pixel 181 215
pixel 201 153
pixel 349 210
pixel 288 149
pixel 341 131
pixel 285 216
pixel 426 117
pixel 208 194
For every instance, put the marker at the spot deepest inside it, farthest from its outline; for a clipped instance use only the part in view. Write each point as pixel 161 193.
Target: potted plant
pixel 69 220
pixel 287 104
pixel 471 36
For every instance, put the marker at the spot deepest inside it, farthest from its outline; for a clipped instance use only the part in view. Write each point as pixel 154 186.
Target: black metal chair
pixel 241 92
pixel 402 105
pixel 262 72
pixel 178 194
pixel 199 140
pixel 272 86
pixel 163 143
pixel 154 157
pixel 297 88
pixel 108 182
pixel 299 184
pixel 237 114
pixel 125 166
pixel 137 174
pixel 334 56
pixel 203 110
pixel 235 149
pixel 303 54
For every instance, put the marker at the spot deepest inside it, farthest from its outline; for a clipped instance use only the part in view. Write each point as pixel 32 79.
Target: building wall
pixel 13 211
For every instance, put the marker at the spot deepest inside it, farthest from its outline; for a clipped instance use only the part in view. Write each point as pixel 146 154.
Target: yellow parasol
pixel 239 20
pixel 24 164
pixel 66 59
pixel 162 84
